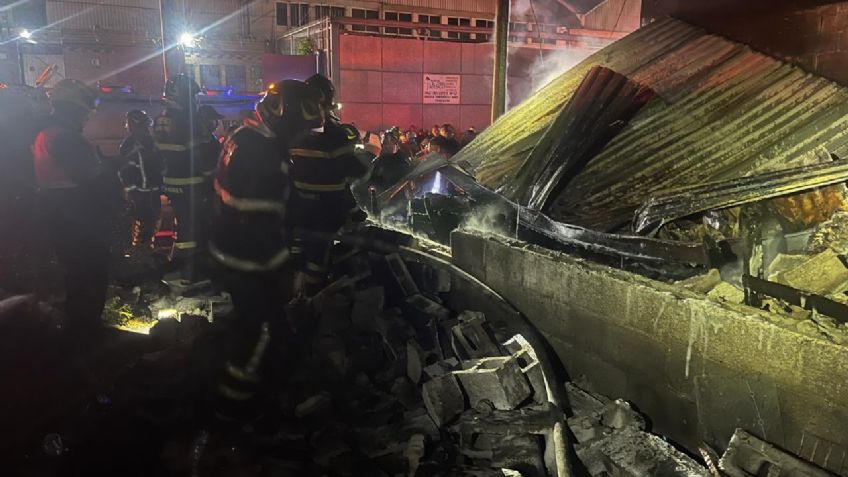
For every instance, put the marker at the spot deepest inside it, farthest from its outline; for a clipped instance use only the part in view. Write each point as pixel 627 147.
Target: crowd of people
pixel 415 142
pixel 256 210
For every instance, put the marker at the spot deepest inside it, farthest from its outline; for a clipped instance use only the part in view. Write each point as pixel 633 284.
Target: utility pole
pixel 499 74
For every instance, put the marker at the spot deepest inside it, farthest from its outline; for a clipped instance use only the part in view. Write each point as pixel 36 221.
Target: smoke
pixel 544 62
pixel 491 219
pixel 553 64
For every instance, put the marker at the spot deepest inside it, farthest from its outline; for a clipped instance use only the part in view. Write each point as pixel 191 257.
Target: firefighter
pixel 189 158
pixel 209 117
pixel 77 193
pixel 142 178
pixel 324 164
pixel 250 240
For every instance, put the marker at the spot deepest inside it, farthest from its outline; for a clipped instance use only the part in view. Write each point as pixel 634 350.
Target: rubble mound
pixel 831 234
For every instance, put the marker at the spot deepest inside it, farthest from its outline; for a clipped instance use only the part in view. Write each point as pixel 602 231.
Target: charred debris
pixel 723 171
pixel 403 365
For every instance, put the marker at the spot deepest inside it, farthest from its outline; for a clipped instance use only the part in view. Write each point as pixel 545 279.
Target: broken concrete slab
pixel 831 234
pixel 498 380
pixel 367 304
pixel 424 315
pixel 749 456
pixel 784 262
pixel 443 398
pixel 523 352
pixel 824 273
pixel 401 275
pixel 634 453
pixel 727 292
pixel 440 368
pixel 702 283
pixel 471 338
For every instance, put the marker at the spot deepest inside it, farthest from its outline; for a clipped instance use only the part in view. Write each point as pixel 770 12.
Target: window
pixel 516 26
pixel 326 11
pixel 367 15
pixel 282 14
pixel 459 22
pixel 431 20
pixel 398 17
pixel 295 14
pixel 210 75
pixel 236 77
pixel 483 24
pixel 299 14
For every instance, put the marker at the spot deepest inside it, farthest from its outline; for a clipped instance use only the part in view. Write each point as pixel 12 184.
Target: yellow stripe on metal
pixel 185 245
pixel 320 187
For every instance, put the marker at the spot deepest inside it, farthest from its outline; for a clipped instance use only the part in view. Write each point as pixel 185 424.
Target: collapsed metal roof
pixel 721 111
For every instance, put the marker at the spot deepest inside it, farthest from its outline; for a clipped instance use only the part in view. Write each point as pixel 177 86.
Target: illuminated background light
pixel 188 40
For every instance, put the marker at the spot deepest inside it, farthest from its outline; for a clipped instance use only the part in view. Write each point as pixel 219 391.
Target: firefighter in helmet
pixel 77 193
pixel 141 177
pixel 189 158
pixel 324 164
pixel 250 239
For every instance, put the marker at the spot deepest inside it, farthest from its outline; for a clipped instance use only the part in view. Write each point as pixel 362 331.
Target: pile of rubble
pixel 389 380
pixel 385 380
pixel 396 383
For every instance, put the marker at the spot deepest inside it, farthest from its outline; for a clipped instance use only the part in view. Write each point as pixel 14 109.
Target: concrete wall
pixel 698 368
pixel 810 33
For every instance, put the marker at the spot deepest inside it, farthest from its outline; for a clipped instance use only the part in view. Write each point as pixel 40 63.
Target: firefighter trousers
pixel 80 240
pixel 146 207
pixel 317 218
pixel 191 208
pixel 258 342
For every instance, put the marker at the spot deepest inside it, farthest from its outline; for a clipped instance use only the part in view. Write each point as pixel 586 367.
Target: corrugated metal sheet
pixel 614 15
pixel 723 111
pixel 82 15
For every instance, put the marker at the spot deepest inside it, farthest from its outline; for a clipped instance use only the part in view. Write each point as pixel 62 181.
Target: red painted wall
pixel 381 82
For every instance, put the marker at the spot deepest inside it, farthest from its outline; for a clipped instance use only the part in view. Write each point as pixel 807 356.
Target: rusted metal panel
pixel 818 205
pixel 722 111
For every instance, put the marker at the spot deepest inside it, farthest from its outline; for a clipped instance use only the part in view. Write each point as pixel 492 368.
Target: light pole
pixel 499 74
pixel 24 36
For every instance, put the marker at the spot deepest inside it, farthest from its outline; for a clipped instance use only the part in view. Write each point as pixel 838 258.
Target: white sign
pixel 441 89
